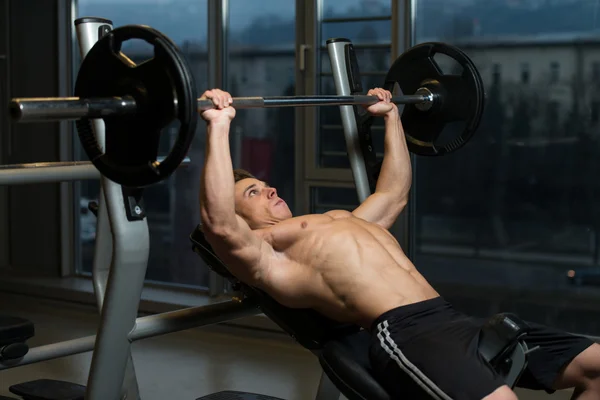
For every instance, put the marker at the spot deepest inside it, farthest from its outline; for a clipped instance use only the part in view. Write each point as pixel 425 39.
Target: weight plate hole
pixel 397 91
pixel 447 64
pixel 138 50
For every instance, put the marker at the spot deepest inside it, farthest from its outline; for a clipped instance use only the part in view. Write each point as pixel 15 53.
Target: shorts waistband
pixel 413 310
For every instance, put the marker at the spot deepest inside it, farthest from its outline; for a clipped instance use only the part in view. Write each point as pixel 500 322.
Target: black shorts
pixel 429 350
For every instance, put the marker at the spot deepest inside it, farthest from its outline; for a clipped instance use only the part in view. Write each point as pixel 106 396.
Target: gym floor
pixel 182 365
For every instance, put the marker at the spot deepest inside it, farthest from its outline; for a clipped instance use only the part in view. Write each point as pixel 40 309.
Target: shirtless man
pixel 349 267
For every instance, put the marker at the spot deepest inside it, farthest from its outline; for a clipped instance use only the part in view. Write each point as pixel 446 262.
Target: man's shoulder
pixel 338 214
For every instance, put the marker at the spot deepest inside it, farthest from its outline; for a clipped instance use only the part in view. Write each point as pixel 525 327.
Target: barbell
pixel 137 102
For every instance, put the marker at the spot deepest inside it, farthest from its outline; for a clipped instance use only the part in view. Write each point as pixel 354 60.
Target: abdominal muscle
pixel 355 270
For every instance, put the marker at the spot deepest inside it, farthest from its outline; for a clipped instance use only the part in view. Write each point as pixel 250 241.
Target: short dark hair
pixel 239 174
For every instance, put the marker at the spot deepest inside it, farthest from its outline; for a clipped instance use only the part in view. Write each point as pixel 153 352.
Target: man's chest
pixel 298 232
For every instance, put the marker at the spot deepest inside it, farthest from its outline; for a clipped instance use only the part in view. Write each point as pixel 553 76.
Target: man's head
pixel 256 202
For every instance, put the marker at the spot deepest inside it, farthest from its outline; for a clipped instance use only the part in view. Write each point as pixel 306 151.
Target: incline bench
pixel 343 349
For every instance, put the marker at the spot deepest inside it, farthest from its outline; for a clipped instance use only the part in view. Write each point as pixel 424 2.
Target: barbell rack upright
pixel 112 373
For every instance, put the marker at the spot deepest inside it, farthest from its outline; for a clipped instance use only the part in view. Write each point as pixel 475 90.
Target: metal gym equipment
pixel 121 210
pixel 123 234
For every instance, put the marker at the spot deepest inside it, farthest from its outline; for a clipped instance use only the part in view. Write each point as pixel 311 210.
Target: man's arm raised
pixel 246 255
pixel 395 178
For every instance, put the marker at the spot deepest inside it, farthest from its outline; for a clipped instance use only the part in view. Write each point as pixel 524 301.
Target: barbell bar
pixel 71 108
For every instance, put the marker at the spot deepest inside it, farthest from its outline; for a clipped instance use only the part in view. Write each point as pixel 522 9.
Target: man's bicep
pixel 379 208
pixel 242 252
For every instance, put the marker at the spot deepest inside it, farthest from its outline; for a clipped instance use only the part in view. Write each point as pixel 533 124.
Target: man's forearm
pixel 395 176
pixel 217 187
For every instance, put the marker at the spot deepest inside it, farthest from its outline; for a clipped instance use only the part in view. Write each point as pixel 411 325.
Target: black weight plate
pixel 164 91
pixel 456 97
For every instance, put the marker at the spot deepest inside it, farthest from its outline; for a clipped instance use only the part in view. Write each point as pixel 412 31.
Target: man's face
pixel 258 204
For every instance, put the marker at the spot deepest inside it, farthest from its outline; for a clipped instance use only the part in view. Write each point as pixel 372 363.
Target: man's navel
pixel 304 224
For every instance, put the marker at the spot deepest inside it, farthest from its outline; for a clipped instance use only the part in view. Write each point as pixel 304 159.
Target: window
pixel 554 72
pixel 367 24
pixel 325 199
pixel 263 139
pixel 553 114
pixel 499 223
pixel 596 70
pixel 496 71
pixel 525 73
pixel 172 205
pixel 595 112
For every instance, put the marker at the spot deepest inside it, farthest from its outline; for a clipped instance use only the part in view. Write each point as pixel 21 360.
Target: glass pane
pixel 373 63
pixel 516 209
pixel 262 63
pixel 325 199
pixel 172 205
pixel 355 8
pixel 332 144
pixel 368 25
pixel 371 60
pixel 360 32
